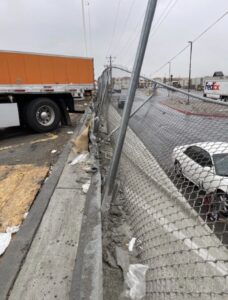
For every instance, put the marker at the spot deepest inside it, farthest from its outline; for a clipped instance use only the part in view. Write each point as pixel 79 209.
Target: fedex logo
pixel 212 86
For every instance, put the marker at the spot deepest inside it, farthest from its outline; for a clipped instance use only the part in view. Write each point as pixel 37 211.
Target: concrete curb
pixel 188 113
pixel 87 280
pixel 12 260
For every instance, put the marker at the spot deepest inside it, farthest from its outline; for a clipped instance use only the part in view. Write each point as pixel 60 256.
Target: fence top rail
pixel 171 87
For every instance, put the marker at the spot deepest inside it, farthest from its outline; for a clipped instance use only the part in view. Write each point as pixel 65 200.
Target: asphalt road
pixel 161 129
pixel 22 146
pixel 26 160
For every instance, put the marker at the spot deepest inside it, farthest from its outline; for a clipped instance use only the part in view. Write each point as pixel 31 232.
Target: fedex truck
pixel 216 87
pixel 38 90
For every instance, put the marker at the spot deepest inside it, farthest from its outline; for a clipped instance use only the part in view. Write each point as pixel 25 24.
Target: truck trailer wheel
pixel 43 115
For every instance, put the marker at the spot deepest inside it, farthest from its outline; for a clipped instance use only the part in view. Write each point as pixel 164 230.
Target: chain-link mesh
pixel 174 166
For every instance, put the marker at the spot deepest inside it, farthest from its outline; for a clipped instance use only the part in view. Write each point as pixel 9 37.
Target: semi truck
pixel 216 87
pixel 38 90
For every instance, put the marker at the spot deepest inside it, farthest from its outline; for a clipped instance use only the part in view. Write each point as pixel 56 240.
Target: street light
pixel 190 68
pixel 169 77
pixel 169 71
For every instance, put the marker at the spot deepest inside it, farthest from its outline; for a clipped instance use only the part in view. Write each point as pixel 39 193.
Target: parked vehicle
pixel 39 90
pixel 121 102
pixel 176 84
pixel 216 87
pixel 122 98
pixel 206 165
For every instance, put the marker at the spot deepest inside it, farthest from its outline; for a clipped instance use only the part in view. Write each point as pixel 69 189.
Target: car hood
pixel 222 183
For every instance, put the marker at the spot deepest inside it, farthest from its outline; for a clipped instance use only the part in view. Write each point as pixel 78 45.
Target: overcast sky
pixel 55 26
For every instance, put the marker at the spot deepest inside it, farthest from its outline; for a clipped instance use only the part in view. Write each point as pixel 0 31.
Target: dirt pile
pixel 19 185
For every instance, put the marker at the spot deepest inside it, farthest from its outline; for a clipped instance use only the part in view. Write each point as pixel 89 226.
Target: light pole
pixel 169 77
pixel 169 71
pixel 190 69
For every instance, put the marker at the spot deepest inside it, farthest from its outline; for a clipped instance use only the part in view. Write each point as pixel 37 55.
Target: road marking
pixel 10 147
pixel 49 137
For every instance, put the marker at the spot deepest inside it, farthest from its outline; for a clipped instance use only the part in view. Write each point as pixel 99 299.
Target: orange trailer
pixel 28 68
pixel 41 88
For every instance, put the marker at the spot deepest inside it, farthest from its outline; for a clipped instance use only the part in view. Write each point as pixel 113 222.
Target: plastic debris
pixel 93 138
pixel 53 151
pixel 12 229
pixel 80 158
pixel 136 282
pixel 81 142
pixel 26 214
pixel 90 169
pixel 85 187
pixel 131 244
pixel 5 239
pixel 70 132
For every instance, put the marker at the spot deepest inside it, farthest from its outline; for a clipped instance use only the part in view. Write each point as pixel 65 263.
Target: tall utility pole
pixel 84 27
pixel 110 60
pixel 190 69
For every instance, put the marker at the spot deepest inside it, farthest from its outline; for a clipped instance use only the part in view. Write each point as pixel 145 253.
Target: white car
pixel 206 165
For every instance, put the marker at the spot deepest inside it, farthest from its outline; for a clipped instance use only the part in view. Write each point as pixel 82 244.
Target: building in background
pixel 124 82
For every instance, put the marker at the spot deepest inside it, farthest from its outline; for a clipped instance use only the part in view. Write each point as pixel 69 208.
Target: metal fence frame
pixel 215 259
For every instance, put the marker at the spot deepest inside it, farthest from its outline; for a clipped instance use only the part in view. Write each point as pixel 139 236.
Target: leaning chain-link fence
pixel 174 167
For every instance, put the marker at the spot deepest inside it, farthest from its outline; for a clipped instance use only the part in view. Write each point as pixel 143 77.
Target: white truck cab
pixel 216 87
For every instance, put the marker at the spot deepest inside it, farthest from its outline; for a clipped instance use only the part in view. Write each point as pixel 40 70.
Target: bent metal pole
pixel 151 6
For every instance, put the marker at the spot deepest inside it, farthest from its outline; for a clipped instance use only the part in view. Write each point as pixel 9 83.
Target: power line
pixel 157 25
pixel 193 41
pixel 89 26
pixel 126 21
pixel 171 59
pixel 114 27
pixel 160 20
pixel 134 36
pixel 84 26
pixel 209 27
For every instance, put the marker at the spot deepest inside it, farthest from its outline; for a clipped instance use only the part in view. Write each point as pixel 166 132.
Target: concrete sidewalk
pixel 47 270
pixel 42 258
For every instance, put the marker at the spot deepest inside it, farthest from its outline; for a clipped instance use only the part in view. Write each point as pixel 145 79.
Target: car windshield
pixel 221 164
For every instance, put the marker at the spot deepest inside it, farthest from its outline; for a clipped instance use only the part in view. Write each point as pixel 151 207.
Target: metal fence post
pixel 151 6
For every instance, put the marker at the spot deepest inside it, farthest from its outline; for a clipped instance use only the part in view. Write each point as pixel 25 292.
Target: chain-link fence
pixel 174 166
